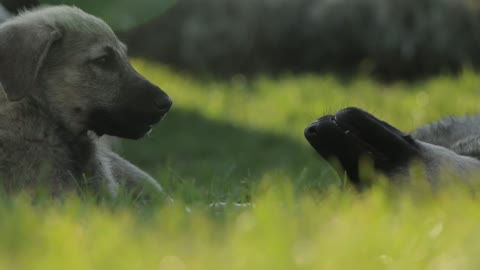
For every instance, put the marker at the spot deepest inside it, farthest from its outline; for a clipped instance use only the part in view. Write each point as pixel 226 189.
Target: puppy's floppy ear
pixel 23 48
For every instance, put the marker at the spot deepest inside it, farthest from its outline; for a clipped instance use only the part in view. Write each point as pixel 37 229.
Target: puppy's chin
pixel 127 125
pixel 133 134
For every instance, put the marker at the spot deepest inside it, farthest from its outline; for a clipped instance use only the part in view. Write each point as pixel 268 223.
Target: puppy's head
pixel 352 133
pixel 73 63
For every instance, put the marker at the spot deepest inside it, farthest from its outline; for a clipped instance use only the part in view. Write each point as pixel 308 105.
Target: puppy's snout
pixel 153 98
pixel 311 130
pixel 163 103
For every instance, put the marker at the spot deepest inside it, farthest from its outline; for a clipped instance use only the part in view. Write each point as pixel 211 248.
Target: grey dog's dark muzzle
pixel 352 133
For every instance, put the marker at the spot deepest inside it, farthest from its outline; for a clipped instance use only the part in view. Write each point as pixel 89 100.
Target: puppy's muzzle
pixel 139 106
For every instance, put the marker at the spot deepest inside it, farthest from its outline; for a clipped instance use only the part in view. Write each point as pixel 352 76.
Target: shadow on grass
pixel 193 155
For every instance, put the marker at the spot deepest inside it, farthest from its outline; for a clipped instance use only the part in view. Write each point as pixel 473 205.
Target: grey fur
pixel 4 14
pixel 52 76
pixel 460 134
pixel 452 146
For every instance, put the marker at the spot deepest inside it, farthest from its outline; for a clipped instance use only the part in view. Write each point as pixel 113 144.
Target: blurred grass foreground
pixel 339 231
pixel 242 140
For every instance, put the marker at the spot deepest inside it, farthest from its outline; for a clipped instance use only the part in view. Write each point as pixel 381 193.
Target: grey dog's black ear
pixel 23 48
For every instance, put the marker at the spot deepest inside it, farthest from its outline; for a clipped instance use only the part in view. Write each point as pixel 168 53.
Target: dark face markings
pixel 138 104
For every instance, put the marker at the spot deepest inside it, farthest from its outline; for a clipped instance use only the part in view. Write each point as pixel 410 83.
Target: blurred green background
pixel 390 39
pixel 246 77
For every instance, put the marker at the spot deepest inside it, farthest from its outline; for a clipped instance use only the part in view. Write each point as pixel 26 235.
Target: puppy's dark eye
pixel 102 61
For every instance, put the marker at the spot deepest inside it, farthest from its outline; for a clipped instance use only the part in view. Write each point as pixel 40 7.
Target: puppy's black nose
pixel 311 130
pixel 163 103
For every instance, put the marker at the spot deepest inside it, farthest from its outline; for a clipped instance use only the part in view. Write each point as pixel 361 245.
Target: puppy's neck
pixel 28 120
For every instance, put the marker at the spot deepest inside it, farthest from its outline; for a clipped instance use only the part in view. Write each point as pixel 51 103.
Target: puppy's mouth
pixel 125 124
pixel 352 133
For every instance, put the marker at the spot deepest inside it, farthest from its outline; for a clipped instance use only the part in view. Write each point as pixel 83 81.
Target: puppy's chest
pixel 81 158
pixel 63 159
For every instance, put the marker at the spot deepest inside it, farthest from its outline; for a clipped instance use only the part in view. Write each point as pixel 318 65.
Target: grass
pixel 243 141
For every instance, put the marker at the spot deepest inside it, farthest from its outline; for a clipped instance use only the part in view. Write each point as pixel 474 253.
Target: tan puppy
pixel 66 76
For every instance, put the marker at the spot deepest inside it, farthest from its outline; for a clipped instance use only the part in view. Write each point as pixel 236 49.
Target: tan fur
pixel 52 86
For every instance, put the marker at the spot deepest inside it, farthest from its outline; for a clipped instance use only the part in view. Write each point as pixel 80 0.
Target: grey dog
pixel 67 81
pixel 448 148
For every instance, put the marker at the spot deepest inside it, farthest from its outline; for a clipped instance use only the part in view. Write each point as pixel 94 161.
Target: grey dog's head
pixel 73 63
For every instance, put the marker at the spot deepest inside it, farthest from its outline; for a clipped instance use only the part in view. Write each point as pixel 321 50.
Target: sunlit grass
pixel 341 230
pixel 243 140
pixel 285 105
